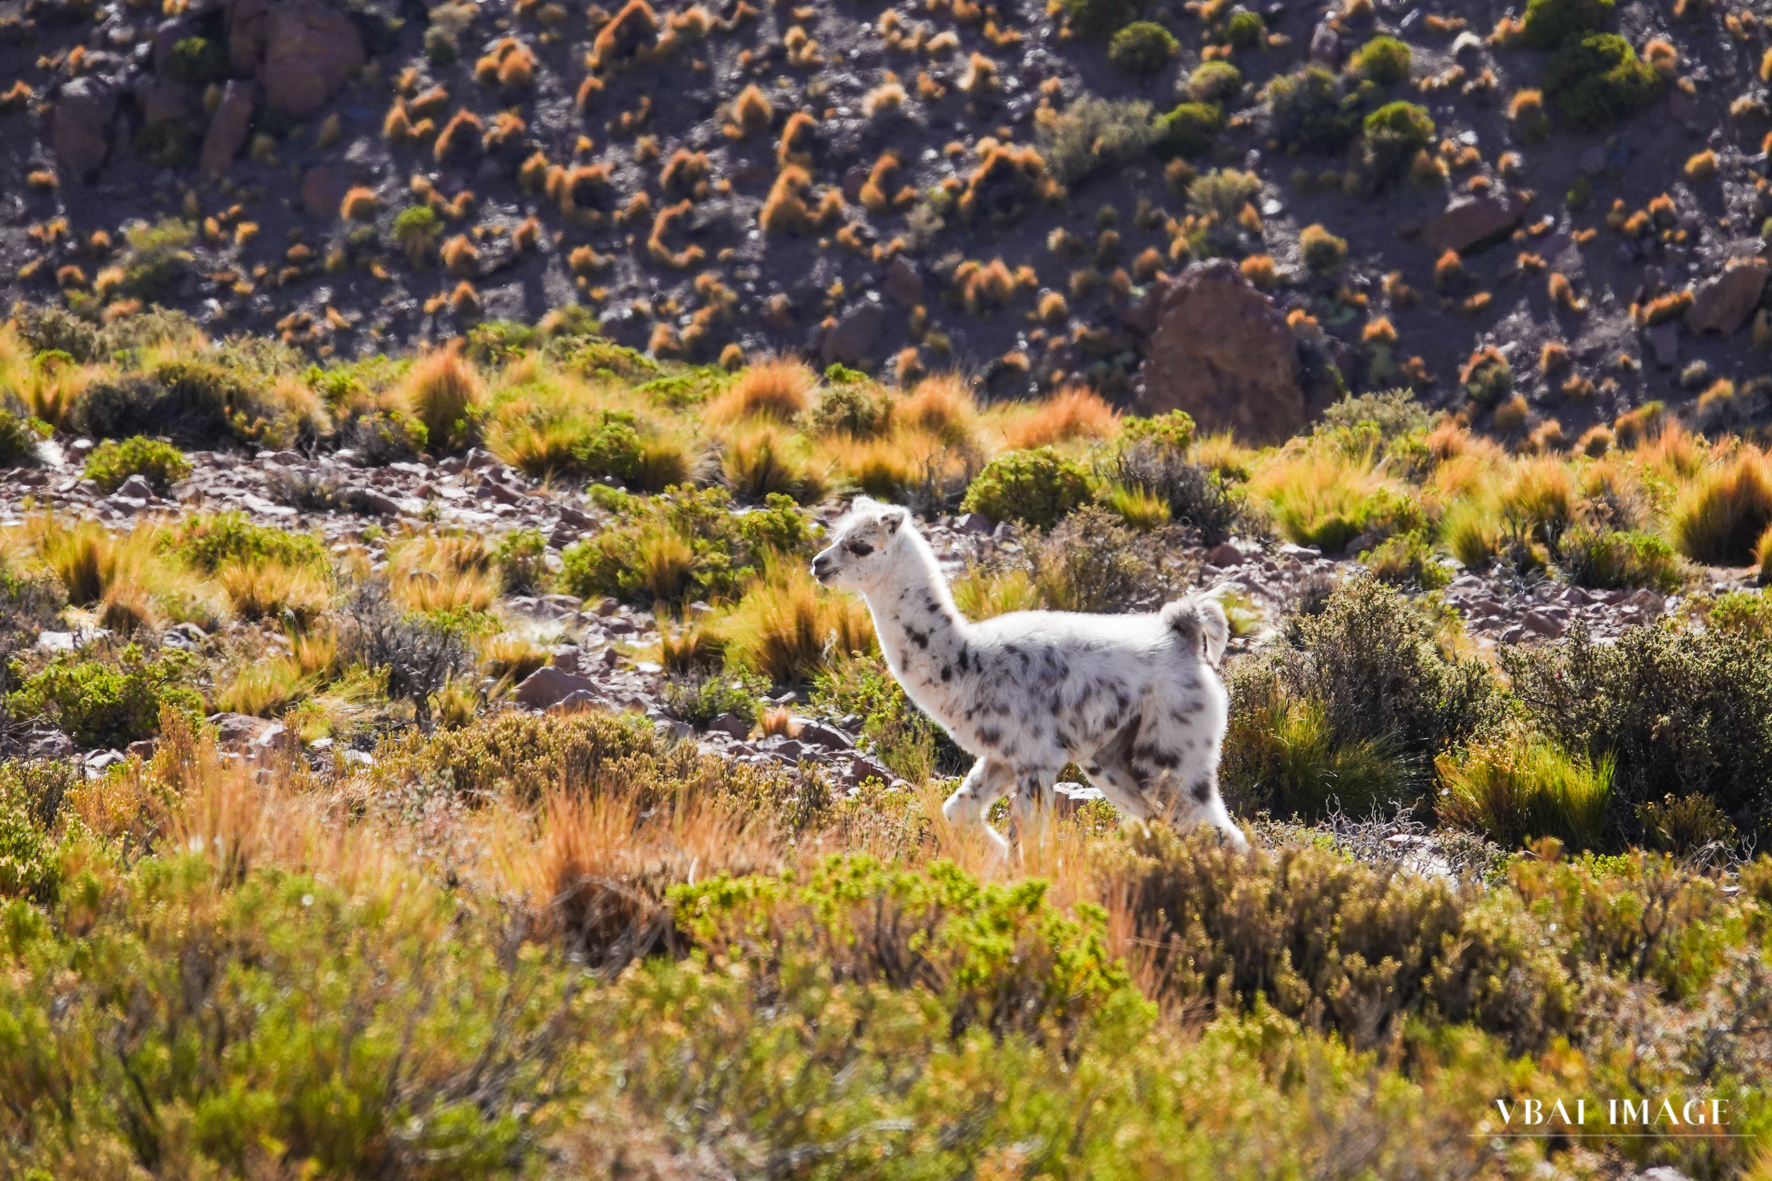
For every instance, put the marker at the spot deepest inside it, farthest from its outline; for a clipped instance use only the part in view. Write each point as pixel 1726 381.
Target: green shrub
pixel 521 559
pixel 19 436
pixel 1214 82
pixel 1678 709
pixel 1094 133
pixel 1488 378
pixel 1385 60
pixel 1189 130
pixel 1244 29
pixel 1550 23
pixel 1173 431
pixel 1684 825
pixel 344 1033
pixel 1155 461
pixel 1090 562
pixel 1610 559
pixel 1034 487
pixel 1521 788
pixel 893 729
pixel 854 409
pixel 1282 756
pixel 1371 664
pixel 31 794
pixel 681 546
pixel 1141 48
pixel 161 464
pixel 109 703
pixel 1321 251
pixel 197 61
pixel 1309 112
pixel 208 541
pixel 1374 422
pixel 1097 18
pixel 1406 560
pixel 1598 80
pixel 698 700
pixel 385 436
pixel 1742 613
pixel 1394 133
pixel 157 256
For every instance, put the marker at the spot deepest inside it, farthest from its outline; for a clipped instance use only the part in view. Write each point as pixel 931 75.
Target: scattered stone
pixel 550 684
pixel 1225 555
pixel 1724 302
pixel 248 734
pixel 904 282
pixel 848 343
pixel 1664 343
pixel 1470 222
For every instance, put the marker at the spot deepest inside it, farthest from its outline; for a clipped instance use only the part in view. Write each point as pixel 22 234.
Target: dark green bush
pixel 1406 560
pixel 1369 687
pixel 1196 495
pixel 1189 130
pixel 1214 82
pixel 207 541
pixel 1244 29
pixel 1680 710
pixel 1611 559
pixel 161 464
pixel 109 703
pixel 1394 133
pixel 1598 80
pixel 1142 48
pixel 1173 431
pixel 897 733
pixel 1098 18
pixel 1550 23
pixel 1034 487
pixel 1385 60
pixel 19 436
pixel 1090 562
pixel 1309 111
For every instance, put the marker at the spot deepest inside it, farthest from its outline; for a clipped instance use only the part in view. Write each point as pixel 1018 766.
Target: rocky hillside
pixel 1549 217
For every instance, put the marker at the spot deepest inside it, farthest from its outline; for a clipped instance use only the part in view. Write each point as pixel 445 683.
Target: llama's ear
pixel 1215 630
pixel 892 518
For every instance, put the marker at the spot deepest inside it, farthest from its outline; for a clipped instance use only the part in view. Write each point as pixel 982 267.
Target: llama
pixel 1135 700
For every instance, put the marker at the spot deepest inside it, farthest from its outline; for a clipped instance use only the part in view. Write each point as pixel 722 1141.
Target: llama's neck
pixel 919 628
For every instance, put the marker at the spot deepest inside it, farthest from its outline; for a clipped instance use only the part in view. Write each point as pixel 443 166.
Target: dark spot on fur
pixel 1202 790
pixel 947 672
pixel 1156 756
pixel 990 735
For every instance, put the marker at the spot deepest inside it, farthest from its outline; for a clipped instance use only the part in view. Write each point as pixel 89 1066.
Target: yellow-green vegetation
pixel 503 1011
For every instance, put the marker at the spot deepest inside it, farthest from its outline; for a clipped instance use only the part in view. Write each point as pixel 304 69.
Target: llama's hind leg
pixel 988 781
pixel 1193 800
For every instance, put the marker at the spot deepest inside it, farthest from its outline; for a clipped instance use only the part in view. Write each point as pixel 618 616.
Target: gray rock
pixel 229 125
pixel 136 487
pixel 368 500
pixel 829 737
pixel 48 744
pixel 848 343
pixel 81 135
pixel 243 732
pixel 549 685
pixel 974 523
pixel 1225 554
pixel 1664 343
pixel 730 724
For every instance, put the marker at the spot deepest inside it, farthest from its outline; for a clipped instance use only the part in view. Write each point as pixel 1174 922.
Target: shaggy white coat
pixel 1135 700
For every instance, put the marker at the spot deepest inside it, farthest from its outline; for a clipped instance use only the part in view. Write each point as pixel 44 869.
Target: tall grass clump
pixel 1521 788
pixel 1723 515
pixel 1326 498
pixel 444 391
pixel 787 627
pixel 780 388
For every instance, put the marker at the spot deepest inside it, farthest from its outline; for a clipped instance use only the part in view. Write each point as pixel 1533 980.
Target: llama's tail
pixel 1202 624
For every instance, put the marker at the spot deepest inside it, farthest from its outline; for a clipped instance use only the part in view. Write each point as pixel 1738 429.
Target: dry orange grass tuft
pixel 942 406
pixel 780 388
pixel 1071 413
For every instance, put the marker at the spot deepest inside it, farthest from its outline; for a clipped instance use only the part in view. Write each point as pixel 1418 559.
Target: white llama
pixel 1135 700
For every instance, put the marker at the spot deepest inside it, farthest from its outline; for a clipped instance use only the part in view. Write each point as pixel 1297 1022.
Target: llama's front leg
pixel 1033 804
pixel 987 782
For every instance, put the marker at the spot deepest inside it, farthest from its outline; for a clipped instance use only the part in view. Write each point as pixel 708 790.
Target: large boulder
pixel 1469 223
pixel 310 51
pixel 1724 302
pixel 81 135
pixel 229 125
pixel 1220 350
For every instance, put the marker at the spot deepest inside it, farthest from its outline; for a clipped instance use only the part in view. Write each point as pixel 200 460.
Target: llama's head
pixel 865 546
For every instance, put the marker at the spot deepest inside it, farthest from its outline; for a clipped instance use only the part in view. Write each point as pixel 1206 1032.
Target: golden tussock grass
pixel 786 625
pixel 779 388
pixel 1072 413
pixel 940 405
pixel 444 391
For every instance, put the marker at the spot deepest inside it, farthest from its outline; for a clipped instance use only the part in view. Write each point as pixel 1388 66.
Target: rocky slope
pixel 912 187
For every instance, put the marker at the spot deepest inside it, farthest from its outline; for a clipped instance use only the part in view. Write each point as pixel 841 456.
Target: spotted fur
pixel 1135 700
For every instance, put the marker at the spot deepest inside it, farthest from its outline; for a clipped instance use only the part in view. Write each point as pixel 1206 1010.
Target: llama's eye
pixel 860 549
